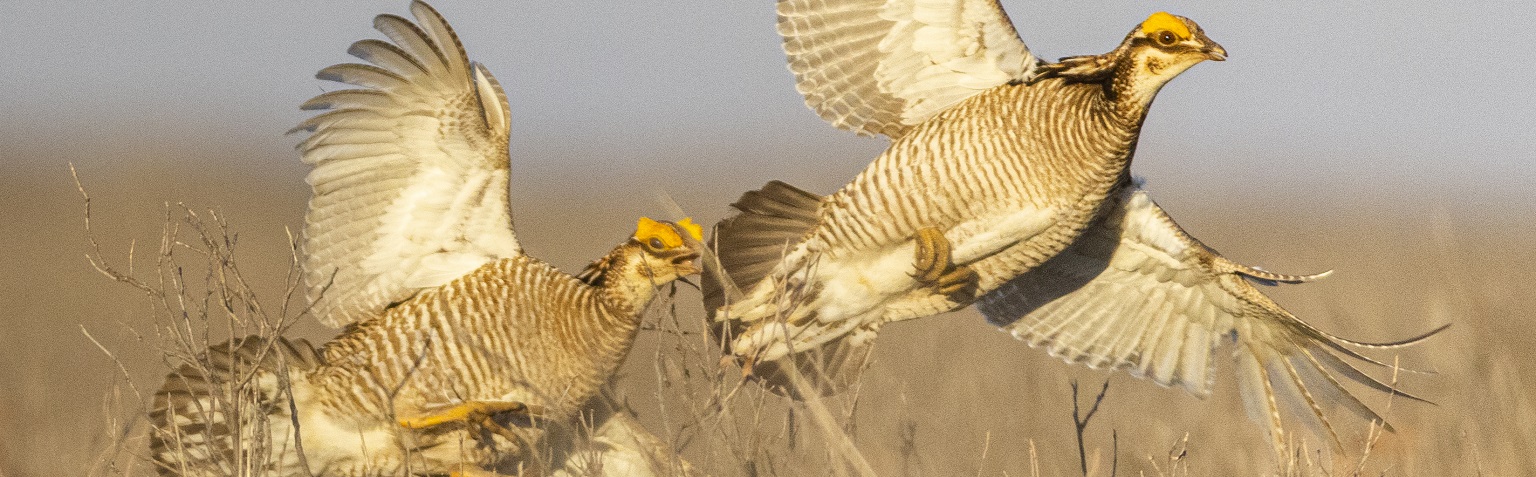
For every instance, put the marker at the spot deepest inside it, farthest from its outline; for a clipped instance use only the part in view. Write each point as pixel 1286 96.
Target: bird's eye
pixel 1166 38
pixel 656 243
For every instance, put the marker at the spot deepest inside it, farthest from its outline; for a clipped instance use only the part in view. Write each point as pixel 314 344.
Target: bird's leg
pixel 470 471
pixel 473 412
pixel 476 472
pixel 936 267
pixel 500 418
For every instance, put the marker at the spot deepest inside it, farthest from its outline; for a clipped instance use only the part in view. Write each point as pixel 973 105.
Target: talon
pixel 935 267
pixel 959 284
pixel 489 424
pixel 932 254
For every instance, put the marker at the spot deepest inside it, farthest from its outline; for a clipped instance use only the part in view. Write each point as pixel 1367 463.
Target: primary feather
pixel 410 172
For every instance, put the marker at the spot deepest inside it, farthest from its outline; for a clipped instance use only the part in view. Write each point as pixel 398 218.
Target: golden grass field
pixel 945 396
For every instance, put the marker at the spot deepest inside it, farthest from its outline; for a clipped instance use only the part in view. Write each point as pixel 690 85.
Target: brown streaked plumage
pixel 1000 170
pixel 1009 173
pixel 514 331
pixel 460 353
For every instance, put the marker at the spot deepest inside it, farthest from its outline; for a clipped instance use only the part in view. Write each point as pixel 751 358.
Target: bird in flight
pixel 1006 184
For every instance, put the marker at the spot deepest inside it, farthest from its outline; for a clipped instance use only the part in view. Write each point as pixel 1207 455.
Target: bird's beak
pixel 1213 51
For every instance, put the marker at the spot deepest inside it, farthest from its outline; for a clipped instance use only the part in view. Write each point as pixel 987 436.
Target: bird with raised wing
pixel 1007 181
pixel 460 352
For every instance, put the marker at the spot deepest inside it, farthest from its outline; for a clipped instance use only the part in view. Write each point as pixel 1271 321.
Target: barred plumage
pixel 516 329
pixel 1016 192
pixel 1009 175
pixel 461 354
pixel 227 413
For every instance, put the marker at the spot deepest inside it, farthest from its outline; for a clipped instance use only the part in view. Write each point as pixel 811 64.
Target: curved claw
pixel 932 255
pixel 935 267
pixel 959 284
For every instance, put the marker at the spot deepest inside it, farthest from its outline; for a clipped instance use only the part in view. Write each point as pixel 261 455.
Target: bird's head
pixel 1165 45
pixel 667 250
pixel 1153 53
pixel 659 253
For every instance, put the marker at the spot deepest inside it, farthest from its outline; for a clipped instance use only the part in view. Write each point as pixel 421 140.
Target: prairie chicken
pixel 460 353
pixel 1006 181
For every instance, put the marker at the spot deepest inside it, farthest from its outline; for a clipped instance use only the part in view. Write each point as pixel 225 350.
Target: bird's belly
pixel 331 441
pixel 855 285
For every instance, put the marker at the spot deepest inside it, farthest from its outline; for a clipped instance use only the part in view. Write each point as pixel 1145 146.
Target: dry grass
pixel 944 396
pixel 198 298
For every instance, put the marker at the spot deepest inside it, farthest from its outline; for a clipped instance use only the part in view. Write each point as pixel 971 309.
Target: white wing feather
pixel 1136 292
pixel 410 177
pixel 881 66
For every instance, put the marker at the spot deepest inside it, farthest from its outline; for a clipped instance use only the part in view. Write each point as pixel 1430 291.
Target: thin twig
pixel 120 367
pixel 1081 423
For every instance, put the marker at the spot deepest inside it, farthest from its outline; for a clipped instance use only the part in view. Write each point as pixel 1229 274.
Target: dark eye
pixel 656 243
pixel 1166 38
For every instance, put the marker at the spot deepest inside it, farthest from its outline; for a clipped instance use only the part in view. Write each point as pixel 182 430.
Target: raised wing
pixel 410 177
pixel 1136 292
pixel 881 66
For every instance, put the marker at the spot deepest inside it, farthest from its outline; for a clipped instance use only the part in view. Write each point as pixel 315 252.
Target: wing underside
pixel 1135 292
pixel 410 171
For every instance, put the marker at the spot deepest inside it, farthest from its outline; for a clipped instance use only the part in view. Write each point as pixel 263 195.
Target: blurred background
pixel 1392 143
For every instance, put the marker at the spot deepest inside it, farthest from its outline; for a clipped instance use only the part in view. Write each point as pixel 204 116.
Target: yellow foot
pixel 936 267
pixel 933 255
pixel 959 284
pixel 471 412
pixel 475 472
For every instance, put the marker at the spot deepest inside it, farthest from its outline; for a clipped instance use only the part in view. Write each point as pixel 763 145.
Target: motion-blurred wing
pixel 880 66
pixel 1137 292
pixel 410 178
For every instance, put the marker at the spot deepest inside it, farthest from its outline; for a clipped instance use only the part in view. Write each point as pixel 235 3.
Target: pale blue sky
pixel 1399 101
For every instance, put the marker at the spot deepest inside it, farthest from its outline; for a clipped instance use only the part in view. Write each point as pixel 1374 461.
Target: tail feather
pixel 750 243
pixel 1333 391
pixel 773 220
pixel 1355 374
pixel 209 411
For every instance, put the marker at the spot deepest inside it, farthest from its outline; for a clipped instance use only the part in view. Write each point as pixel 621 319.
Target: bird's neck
pixel 615 300
pixel 1130 94
pixel 622 282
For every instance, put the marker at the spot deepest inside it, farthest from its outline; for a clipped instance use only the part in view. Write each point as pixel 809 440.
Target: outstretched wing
pixel 881 66
pixel 410 177
pixel 1136 292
